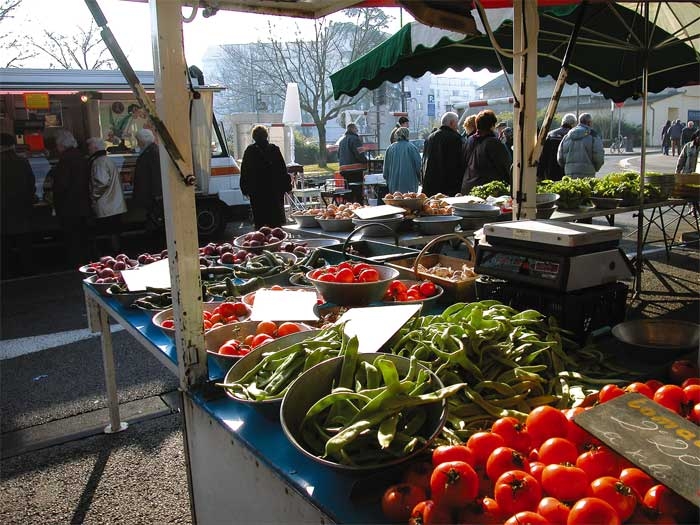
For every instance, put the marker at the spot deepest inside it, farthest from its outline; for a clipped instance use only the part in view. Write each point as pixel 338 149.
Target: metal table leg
pixel 115 424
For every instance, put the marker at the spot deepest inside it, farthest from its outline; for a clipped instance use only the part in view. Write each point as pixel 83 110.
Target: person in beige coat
pixel 106 196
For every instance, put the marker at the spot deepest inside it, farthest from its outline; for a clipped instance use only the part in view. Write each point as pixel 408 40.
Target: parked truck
pixel 36 103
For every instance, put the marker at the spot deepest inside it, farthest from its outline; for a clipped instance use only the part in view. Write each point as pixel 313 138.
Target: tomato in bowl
pixel 352 284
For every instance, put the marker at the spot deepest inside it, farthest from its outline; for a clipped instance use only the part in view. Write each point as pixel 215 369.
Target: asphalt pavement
pixel 58 467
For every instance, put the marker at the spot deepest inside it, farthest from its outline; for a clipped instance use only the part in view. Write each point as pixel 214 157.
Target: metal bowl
pixel 476 210
pixel 546 213
pixel 336 225
pixel 356 294
pixel 658 339
pixel 408 204
pixel 306 221
pixel 125 299
pixel 168 314
pixel 238 243
pixel 318 243
pixel 100 287
pixel 437 224
pixel 427 302
pixel 245 364
pixel 318 382
pixel 377 227
pixel 544 200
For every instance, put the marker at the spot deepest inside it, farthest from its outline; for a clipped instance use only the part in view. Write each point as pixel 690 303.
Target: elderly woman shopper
pixel 264 179
pixel 106 194
pixel 402 164
pixel 485 156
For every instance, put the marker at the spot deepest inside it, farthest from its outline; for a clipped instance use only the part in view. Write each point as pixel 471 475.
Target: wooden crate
pixel 683 188
pixel 454 290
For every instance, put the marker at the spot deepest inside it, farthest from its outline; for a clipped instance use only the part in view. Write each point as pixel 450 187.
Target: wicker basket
pixel 455 290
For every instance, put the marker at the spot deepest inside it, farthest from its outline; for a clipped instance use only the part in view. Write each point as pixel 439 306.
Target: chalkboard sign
pixel 655 439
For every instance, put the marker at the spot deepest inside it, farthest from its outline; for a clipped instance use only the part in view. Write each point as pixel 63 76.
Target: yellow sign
pixel 36 100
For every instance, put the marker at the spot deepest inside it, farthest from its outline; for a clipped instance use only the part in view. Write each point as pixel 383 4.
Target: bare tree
pixel 82 50
pixel 13 47
pixel 308 59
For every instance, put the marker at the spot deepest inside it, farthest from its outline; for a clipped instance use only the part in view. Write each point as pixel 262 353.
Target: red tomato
pixel 260 339
pixel 412 295
pixel 168 323
pixel 206 314
pixel 682 369
pixel 266 327
pixel 527 517
pixel 536 468
pixel 327 277
pixel 345 275
pixel 592 511
pixel 317 273
pixel 694 414
pixel 504 459
pixel 454 484
pixel 620 496
pixel 638 480
pixel 229 349
pixel 226 309
pixel 558 450
pixel 397 287
pixel 288 328
pixel 240 309
pixel 344 264
pixel 419 474
pixel 359 268
pixel 671 397
pixel 598 462
pixel 399 501
pixel 482 444
pixel 654 384
pixel 545 422
pixel 427 288
pixel 640 388
pixel 564 482
pixel 429 513
pixel 609 392
pixel 514 433
pixel 576 433
pixel 692 394
pixel 662 500
pixel 553 510
pixel 370 275
pixel 690 381
pixel 516 491
pixel 215 318
pixel 445 453
pixel 484 512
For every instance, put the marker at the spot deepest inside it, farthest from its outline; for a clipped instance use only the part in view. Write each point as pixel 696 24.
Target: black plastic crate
pixel 580 311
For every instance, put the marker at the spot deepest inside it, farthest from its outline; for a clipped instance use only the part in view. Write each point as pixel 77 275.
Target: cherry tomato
pixel 640 388
pixel 620 496
pixel 226 309
pixel 317 273
pixel 345 275
pixel 344 264
pixel 428 289
pixel 609 392
pixel 453 484
pixel 558 450
pixel 397 287
pixel 399 501
pixel 429 513
pixel 638 480
pixel 553 510
pixel 545 422
pixel 358 268
pixel 592 511
pixel 482 444
pixel 564 482
pixel 694 414
pixel 168 323
pixel 527 517
pixel 504 459
pixel 445 453
pixel 514 433
pixel 671 397
pixel 692 394
pixel 229 349
pixel 327 277
pixel 598 462
pixel 370 275
pixel 419 474
pixel 654 384
pixel 288 328
pixel 215 318
pixel 516 491
pixel 240 309
pixel 690 381
pixel 260 339
pixel 266 327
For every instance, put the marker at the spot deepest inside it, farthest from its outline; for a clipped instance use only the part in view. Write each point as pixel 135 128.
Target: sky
pixel 130 23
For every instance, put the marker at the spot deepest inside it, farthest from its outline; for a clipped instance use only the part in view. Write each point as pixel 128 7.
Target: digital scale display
pixel 523 265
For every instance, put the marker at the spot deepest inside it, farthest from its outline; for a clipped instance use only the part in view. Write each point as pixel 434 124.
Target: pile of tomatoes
pixel 265 331
pixel 399 292
pixel 346 272
pixel 225 313
pixel 547 470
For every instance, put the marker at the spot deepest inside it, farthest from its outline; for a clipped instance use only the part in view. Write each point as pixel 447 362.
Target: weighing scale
pixel 555 255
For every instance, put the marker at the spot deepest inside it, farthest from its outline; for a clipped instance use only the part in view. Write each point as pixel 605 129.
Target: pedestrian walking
pixel 581 151
pixel 402 164
pixel 687 133
pixel 443 164
pixel 548 168
pixel 675 132
pixel 666 137
pixel 352 161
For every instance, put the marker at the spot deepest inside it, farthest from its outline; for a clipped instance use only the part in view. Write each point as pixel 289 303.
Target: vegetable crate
pixel 462 290
pixel 371 252
pixel 580 311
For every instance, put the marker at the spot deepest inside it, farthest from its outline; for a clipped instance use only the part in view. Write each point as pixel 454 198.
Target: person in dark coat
pixel 71 199
pixel 352 161
pixel 264 179
pixel 443 164
pixel 666 137
pixel 486 158
pixel 548 168
pixel 18 194
pixel 148 185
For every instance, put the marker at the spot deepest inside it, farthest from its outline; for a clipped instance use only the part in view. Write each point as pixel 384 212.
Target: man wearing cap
pixel 548 168
pixel 403 123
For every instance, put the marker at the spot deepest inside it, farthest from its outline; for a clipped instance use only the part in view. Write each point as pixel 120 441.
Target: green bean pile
pixel 266 264
pixel 372 416
pixel 511 361
pixel 271 377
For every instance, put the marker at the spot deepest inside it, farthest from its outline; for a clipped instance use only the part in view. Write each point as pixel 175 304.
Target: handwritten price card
pixel 655 439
